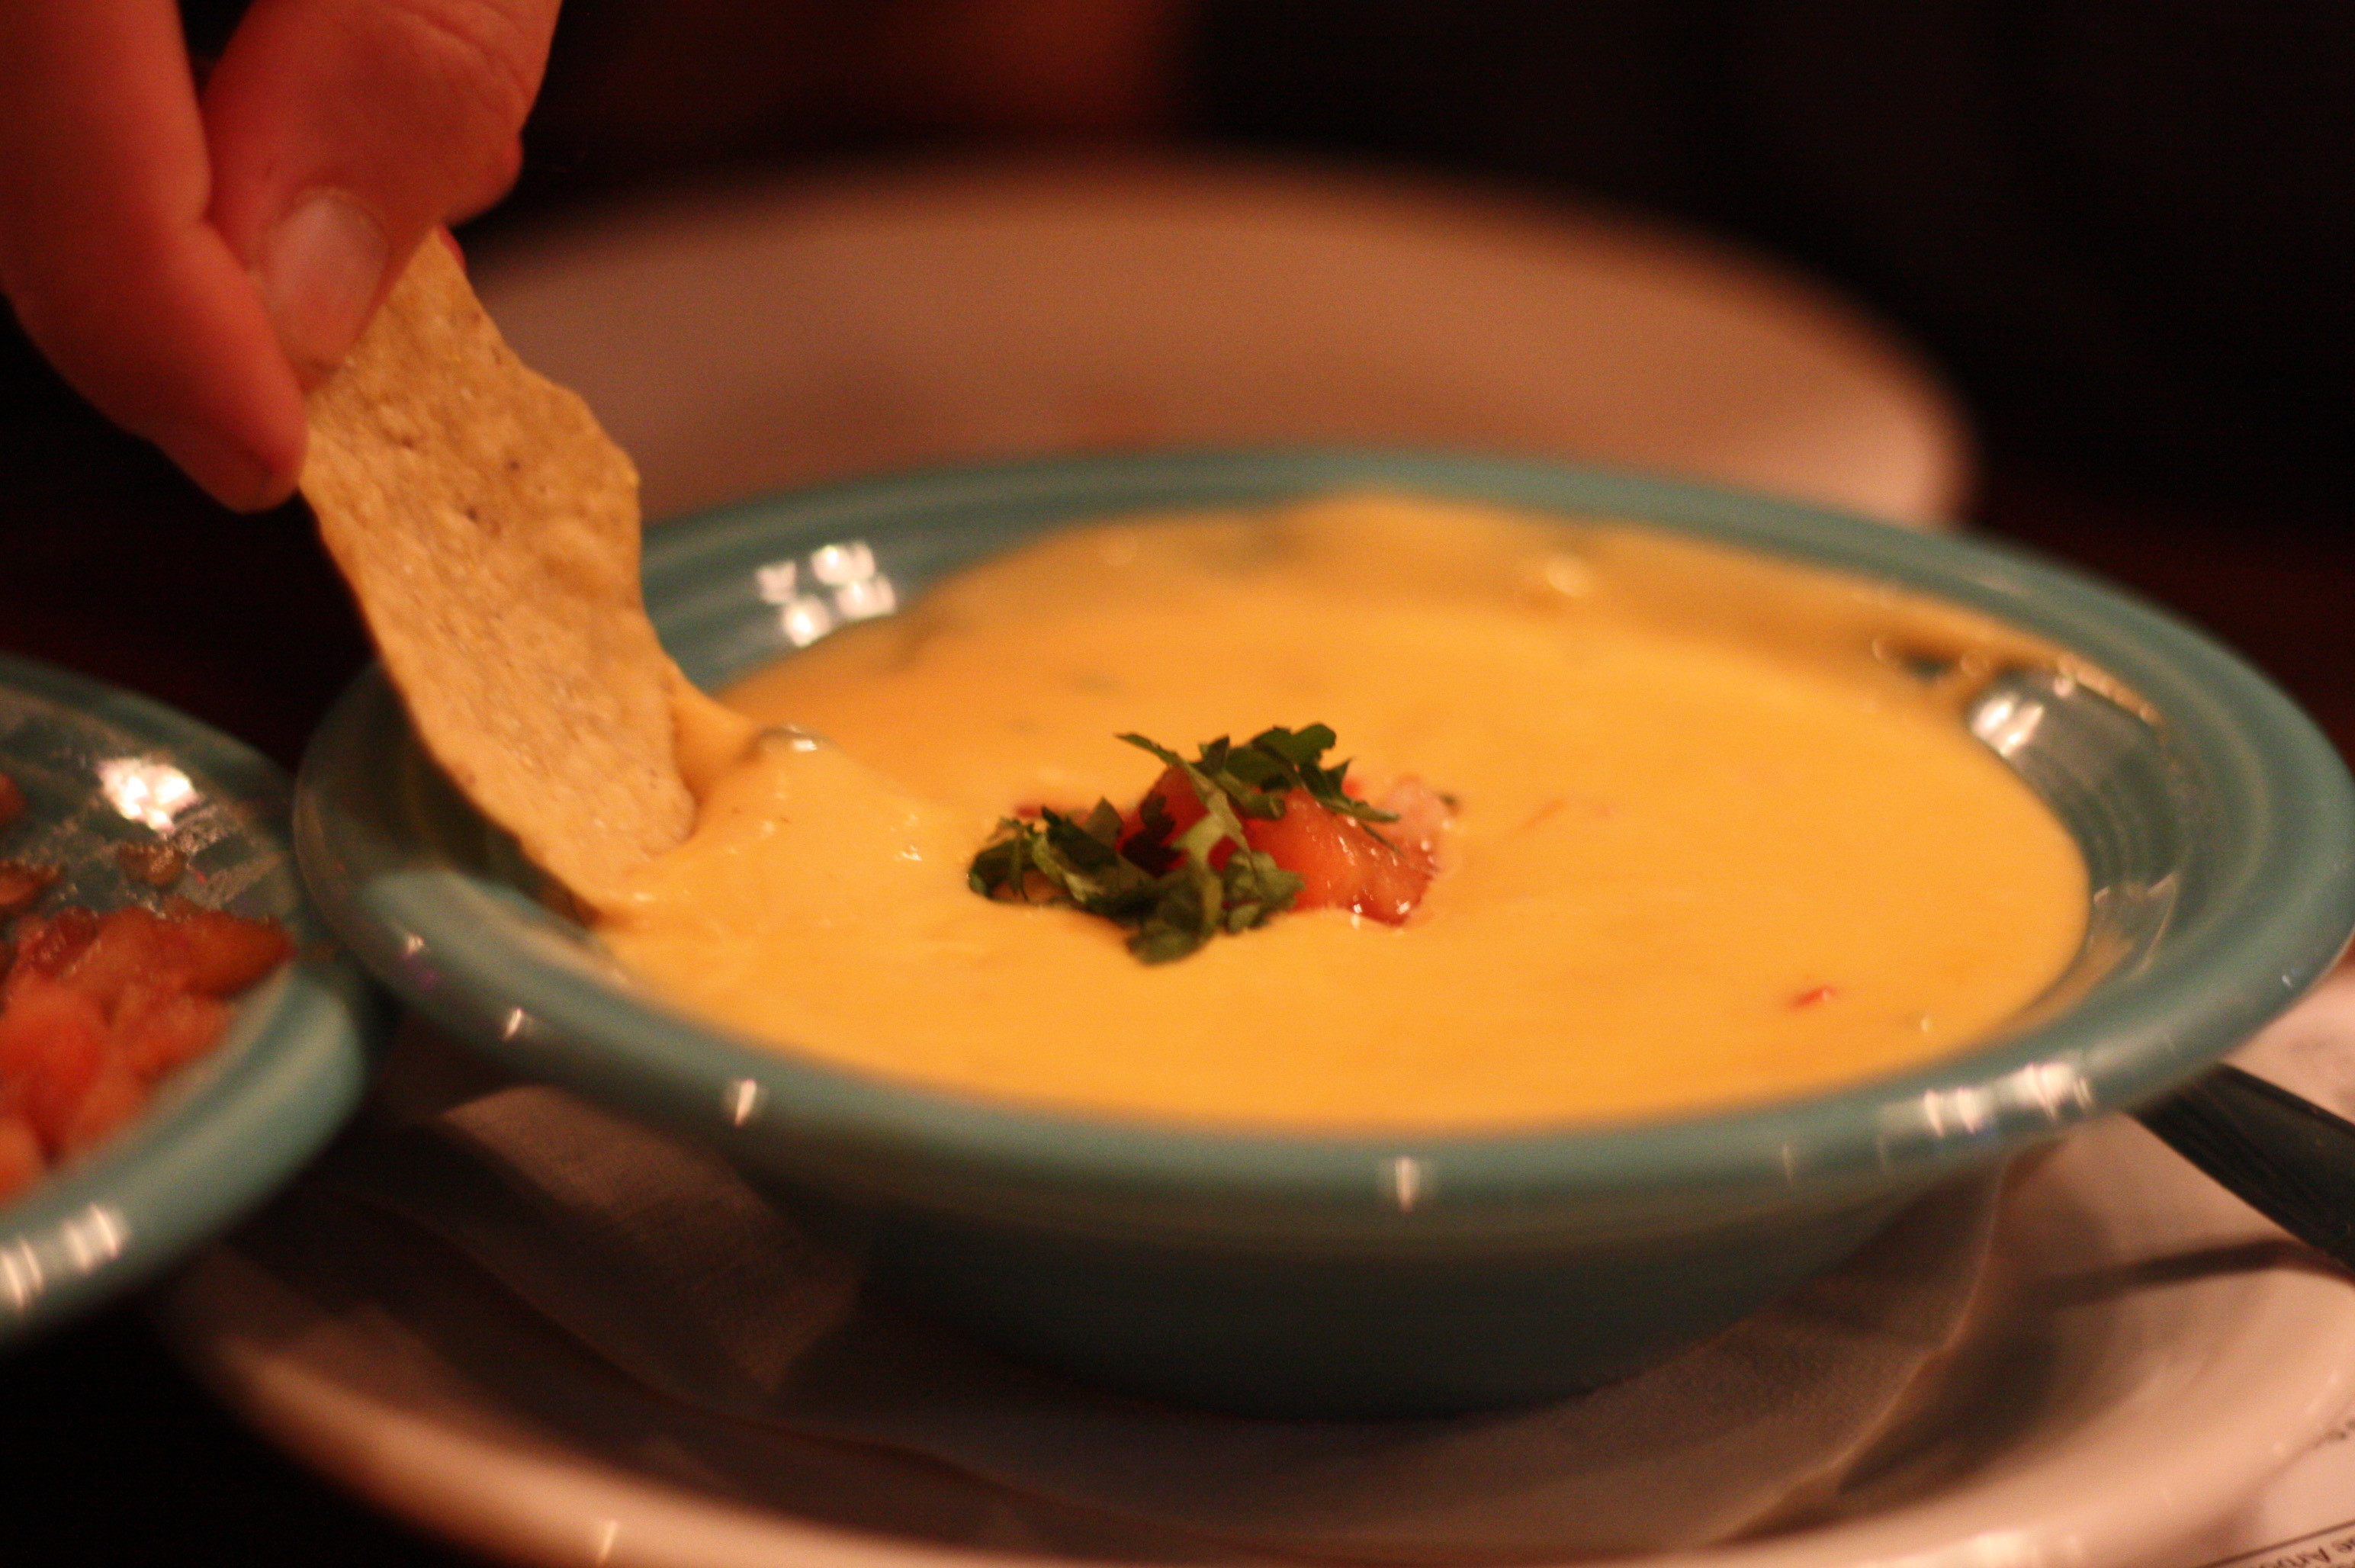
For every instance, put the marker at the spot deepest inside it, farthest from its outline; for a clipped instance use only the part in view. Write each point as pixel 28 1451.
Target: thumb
pixel 342 131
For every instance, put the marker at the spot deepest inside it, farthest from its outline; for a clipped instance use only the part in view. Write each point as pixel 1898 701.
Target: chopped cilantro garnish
pixel 1159 882
pixel 1255 777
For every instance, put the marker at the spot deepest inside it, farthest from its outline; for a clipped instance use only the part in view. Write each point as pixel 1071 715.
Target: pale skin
pixel 191 258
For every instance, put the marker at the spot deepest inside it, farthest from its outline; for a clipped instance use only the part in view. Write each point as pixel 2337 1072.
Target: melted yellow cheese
pixel 1718 839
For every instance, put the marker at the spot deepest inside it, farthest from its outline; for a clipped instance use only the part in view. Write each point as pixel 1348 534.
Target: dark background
pixel 2124 232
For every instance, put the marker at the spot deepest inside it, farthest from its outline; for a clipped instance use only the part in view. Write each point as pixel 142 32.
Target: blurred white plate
pixel 2151 1354
pixel 743 342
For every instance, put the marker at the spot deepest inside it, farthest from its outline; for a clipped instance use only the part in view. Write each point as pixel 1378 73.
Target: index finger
pixel 106 253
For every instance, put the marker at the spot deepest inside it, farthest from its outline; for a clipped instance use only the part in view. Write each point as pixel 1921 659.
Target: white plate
pixel 2151 1355
pixel 741 343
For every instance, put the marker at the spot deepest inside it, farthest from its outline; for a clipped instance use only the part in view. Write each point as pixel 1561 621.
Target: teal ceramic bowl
pixel 1352 1274
pixel 101 767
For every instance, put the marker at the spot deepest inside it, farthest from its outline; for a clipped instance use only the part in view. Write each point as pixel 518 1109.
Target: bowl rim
pixel 225 1131
pixel 2282 822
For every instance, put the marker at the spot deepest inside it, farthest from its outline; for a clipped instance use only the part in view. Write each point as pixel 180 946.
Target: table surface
pixel 111 564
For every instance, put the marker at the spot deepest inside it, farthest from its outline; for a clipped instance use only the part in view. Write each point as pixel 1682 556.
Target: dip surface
pixel 1720 836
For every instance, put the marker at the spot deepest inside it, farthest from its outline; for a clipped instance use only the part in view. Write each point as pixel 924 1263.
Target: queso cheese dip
pixel 1719 837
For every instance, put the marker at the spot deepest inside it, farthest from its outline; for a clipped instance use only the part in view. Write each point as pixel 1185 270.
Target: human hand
pixel 190 261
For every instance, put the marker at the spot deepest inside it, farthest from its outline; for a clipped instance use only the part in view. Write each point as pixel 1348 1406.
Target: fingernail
pixel 321 268
pixel 235 477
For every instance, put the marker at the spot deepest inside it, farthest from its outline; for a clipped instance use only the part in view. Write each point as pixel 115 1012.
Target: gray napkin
pixel 667 1265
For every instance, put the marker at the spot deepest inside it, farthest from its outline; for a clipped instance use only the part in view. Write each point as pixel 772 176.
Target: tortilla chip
pixel 489 530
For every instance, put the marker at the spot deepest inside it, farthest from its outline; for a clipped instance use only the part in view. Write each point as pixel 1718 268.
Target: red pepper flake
pixel 1819 995
pixel 12 800
pixel 1547 809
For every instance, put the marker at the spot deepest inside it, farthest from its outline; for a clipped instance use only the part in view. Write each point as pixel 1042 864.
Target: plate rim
pixel 542 1504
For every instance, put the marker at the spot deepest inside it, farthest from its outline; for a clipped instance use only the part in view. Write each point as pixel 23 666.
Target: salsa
pixel 96 1009
pixel 1223 844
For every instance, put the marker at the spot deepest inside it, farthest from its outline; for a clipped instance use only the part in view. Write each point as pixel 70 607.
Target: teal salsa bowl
pixel 102 767
pixel 1388 1274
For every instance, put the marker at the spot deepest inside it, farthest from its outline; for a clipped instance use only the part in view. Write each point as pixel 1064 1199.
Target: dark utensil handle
pixel 2285 1157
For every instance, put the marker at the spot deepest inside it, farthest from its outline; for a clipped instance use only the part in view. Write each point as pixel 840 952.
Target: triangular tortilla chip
pixel 489 530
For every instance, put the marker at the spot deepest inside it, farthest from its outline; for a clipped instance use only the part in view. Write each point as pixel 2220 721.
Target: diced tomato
pixel 130 944
pixel 47 943
pixel 228 953
pixel 94 1008
pixel 22 885
pixel 114 1094
pixel 203 951
pixel 39 1013
pixel 1379 872
pixel 52 1044
pixel 1422 815
pixel 158 1029
pixel 21 1160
